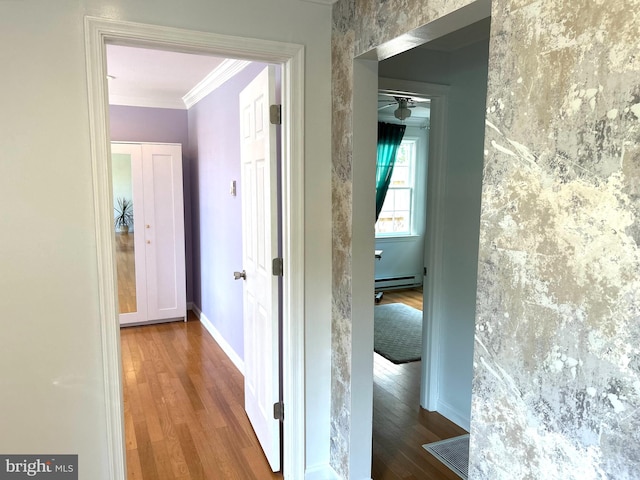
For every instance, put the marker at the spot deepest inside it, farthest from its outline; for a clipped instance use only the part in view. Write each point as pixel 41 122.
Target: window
pixel 397 211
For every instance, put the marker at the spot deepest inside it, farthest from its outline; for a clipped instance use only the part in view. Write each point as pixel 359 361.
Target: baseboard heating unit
pixel 397 282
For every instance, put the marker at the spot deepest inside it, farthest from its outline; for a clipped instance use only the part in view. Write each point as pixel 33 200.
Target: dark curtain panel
pixel 389 138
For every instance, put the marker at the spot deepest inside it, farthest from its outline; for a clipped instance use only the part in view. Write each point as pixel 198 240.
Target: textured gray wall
pixel 556 389
pixel 557 385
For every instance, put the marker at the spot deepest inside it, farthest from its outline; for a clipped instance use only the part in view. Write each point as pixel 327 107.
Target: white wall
pixel 465 70
pixel 468 72
pixel 50 360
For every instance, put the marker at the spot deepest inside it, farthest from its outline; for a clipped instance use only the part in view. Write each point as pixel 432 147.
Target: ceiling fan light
pixel 402 112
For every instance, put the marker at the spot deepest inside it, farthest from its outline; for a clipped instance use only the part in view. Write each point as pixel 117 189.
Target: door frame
pixel 365 91
pixel 98 32
pixel 434 232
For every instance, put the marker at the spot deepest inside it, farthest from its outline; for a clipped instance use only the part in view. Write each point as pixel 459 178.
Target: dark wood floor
pixel 184 408
pixel 400 426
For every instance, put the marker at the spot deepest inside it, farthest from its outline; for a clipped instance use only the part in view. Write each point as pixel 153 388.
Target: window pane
pixel 384 224
pixel 401 222
pixel 402 199
pixel 395 217
pixel 400 176
pixel 401 156
pixel 389 201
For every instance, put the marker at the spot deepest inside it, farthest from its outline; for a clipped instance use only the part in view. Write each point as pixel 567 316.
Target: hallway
pixel 184 407
pixel 185 419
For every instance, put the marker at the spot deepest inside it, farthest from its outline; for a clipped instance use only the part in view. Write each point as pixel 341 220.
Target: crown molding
pixel 223 72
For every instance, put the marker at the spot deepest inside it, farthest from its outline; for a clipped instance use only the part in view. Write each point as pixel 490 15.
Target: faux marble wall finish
pixel 557 354
pixel 342 72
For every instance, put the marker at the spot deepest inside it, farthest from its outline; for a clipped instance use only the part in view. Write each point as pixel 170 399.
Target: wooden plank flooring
pixel 400 426
pixel 184 408
pixel 184 411
pixel 126 269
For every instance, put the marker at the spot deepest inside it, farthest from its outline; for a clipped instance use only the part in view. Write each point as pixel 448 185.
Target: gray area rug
pixel 453 452
pixel 398 332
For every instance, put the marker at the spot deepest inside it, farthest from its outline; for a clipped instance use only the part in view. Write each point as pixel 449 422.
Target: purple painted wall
pixel 162 125
pixel 214 150
pixel 142 124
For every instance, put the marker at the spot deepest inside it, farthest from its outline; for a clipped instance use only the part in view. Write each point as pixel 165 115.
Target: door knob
pixel 239 275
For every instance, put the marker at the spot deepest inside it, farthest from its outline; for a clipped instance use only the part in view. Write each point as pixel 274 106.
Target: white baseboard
pixel 213 331
pixel 321 472
pixel 190 306
pixel 454 414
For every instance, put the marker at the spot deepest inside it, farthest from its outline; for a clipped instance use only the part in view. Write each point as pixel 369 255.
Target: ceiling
pixel 461 38
pixel 154 78
pixel 157 78
pixel 420 108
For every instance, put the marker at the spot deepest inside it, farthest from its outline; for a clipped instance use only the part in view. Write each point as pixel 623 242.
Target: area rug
pixel 398 332
pixel 453 452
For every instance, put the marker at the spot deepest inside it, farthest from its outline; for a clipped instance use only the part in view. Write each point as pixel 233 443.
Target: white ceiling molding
pixel 225 71
pixel 151 102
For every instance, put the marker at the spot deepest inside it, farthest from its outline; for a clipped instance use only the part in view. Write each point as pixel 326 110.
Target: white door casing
pixel 436 178
pixel 291 57
pixel 259 247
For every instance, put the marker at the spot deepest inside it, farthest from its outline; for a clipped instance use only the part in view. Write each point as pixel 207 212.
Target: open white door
pixel 259 248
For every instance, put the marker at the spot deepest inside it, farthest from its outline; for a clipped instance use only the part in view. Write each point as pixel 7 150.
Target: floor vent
pixel 453 452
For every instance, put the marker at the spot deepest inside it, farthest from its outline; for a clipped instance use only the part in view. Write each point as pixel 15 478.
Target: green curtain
pixel 389 138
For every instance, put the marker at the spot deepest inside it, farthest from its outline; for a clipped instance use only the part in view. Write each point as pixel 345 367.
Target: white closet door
pixel 156 243
pixel 164 231
pixel 126 160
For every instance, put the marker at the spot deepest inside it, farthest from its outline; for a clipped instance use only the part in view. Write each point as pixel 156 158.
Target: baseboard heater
pixel 397 282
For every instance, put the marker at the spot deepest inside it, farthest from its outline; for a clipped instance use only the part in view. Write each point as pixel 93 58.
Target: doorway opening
pixel 457 62
pixel 100 32
pixel 209 132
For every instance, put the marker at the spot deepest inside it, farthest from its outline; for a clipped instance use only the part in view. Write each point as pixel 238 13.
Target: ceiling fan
pixel 404 105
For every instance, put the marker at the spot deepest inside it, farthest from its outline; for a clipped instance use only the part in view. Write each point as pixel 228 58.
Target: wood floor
pixel 126 272
pixel 410 296
pixel 184 408
pixel 185 420
pixel 400 426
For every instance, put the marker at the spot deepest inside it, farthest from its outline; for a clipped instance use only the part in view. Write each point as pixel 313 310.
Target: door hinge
pixel 278 411
pixel 425 271
pixel 278 267
pixel 275 114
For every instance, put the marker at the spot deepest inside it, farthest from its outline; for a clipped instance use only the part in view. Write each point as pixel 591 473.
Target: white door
pixel 164 231
pixel 259 247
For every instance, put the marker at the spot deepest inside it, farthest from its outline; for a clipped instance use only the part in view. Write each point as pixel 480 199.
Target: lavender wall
pixel 142 124
pixel 162 125
pixel 214 150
